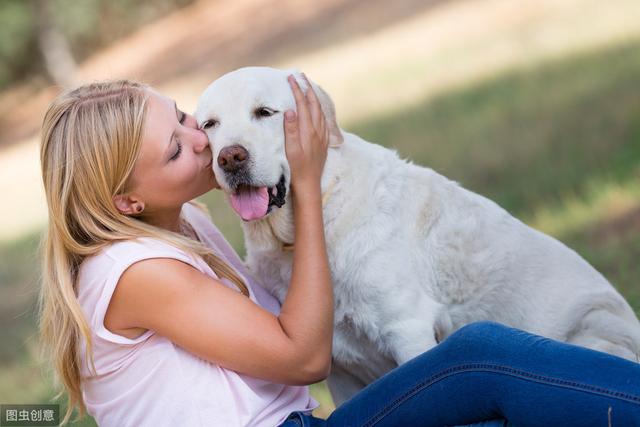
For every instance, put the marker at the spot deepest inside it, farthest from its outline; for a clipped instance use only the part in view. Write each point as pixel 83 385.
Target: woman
pixel 150 318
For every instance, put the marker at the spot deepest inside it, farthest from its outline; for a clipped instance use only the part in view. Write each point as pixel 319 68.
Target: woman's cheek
pixel 193 172
pixel 179 177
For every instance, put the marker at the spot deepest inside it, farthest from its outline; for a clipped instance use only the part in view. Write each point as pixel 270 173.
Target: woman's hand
pixel 306 139
pixel 307 312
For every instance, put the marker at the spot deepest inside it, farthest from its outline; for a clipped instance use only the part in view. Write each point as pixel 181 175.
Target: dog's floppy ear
pixel 328 108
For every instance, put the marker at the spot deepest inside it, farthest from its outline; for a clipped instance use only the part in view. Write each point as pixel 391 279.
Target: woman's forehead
pixel 160 104
pixel 161 117
pixel 158 127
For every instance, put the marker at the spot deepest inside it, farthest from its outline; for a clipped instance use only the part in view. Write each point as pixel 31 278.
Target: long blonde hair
pixel 91 138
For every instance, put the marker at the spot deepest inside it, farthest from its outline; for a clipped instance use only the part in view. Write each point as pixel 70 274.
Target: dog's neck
pixel 276 232
pixel 287 247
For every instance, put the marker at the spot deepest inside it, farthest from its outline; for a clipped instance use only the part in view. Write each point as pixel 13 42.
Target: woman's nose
pixel 200 140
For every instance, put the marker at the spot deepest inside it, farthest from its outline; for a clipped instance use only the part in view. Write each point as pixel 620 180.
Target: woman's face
pixel 174 163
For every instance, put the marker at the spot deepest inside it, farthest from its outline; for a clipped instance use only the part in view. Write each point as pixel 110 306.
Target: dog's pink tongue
pixel 250 202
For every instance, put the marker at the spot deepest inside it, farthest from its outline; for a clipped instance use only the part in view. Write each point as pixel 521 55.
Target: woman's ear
pixel 128 205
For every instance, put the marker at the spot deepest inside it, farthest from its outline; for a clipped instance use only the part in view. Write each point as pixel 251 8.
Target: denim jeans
pixel 487 373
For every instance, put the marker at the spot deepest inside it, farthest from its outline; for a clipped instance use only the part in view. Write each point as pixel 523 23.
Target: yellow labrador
pixel 413 255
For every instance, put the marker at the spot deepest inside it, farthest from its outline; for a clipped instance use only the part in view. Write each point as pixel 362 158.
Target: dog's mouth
pixel 253 203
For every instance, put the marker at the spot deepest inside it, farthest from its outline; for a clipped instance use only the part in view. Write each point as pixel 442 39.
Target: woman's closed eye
pixel 178 151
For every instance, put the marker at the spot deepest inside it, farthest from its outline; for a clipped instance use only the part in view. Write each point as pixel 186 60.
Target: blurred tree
pixel 53 45
pixel 43 37
pixel 17 44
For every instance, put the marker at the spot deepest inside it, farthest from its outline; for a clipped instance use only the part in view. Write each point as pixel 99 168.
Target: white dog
pixel 413 255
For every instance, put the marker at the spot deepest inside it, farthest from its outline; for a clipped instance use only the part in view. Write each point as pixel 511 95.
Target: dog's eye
pixel 264 112
pixel 209 124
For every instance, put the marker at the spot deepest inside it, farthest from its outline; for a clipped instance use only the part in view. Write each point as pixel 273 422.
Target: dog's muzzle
pixel 253 202
pixel 249 199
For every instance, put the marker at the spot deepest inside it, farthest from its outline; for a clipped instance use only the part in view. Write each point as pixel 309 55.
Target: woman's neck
pixel 167 219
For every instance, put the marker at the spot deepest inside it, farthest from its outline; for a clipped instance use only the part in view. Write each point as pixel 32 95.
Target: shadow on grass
pixel 612 246
pixel 529 137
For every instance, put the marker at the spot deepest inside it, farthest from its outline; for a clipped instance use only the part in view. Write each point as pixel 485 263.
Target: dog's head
pixel 242 113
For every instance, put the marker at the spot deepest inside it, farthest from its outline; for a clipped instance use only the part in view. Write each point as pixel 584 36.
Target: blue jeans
pixel 489 373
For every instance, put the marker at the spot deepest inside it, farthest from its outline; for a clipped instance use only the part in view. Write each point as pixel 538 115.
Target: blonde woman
pixel 150 318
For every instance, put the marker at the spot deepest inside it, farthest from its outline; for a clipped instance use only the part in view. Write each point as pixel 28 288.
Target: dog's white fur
pixel 413 255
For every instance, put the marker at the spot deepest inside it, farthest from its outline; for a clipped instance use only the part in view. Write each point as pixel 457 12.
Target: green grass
pixel 558 145
pixel 530 137
pixel 19 273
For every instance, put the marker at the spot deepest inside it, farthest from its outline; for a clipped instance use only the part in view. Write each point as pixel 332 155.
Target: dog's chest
pixel 356 341
pixel 357 279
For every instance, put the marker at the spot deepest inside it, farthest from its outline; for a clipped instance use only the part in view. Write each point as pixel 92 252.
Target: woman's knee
pixel 482 327
pixel 481 334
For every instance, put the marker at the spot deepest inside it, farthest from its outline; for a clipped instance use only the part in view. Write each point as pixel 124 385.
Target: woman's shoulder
pixel 99 273
pixel 139 246
pixel 123 253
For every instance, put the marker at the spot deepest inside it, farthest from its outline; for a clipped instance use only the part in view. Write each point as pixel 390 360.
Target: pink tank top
pixel 149 381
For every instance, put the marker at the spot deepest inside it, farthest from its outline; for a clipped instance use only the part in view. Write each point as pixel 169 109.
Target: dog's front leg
pixel 411 331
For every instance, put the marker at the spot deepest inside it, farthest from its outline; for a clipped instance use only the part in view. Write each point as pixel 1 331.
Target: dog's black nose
pixel 232 159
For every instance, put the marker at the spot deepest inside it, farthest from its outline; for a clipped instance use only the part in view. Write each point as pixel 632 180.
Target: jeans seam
pixel 479 367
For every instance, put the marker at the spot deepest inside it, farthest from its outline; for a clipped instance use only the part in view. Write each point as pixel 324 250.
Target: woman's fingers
pixel 304 117
pixel 306 136
pixel 315 109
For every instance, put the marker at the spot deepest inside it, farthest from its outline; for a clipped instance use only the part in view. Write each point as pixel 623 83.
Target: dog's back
pixel 476 261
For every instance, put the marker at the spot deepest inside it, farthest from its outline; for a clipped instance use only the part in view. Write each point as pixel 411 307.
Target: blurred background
pixel 532 103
